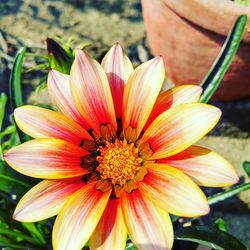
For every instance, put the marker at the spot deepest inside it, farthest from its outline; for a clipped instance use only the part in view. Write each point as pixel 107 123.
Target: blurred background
pixel 101 23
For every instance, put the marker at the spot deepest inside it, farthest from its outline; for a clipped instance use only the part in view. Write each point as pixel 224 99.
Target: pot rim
pixel 217 16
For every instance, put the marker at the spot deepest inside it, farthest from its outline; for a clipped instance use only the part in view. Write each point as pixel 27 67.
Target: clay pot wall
pixel 190 33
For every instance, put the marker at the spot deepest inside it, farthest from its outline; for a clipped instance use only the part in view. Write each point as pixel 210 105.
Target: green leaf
pixel 13 183
pixel 224 59
pixel 3 100
pixel 35 233
pixel 220 225
pixel 243 2
pixel 15 79
pixel 130 246
pixel 228 193
pixel 16 98
pixel 59 58
pixel 209 237
pixel 246 166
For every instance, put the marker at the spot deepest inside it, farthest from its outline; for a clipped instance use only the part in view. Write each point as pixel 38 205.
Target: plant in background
pixel 117 154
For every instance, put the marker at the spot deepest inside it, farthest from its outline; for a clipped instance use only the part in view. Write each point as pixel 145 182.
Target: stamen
pixel 118 162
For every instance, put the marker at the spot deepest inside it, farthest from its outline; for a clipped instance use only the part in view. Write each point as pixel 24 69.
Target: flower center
pixel 118 162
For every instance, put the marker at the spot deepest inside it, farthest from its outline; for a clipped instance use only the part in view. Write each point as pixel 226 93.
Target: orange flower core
pixel 118 162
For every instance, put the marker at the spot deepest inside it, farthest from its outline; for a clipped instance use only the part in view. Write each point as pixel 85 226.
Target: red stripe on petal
pixel 173 191
pixel 204 166
pixel 141 91
pixel 118 68
pixel 173 97
pixel 45 199
pixel 149 226
pixel 179 127
pixel 47 158
pixel 60 94
pixel 44 123
pixel 78 218
pixel 110 232
pixel 91 93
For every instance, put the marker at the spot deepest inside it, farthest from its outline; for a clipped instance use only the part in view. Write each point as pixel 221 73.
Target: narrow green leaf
pixel 220 225
pixel 10 246
pixel 16 98
pixel 3 100
pixel 228 193
pixel 246 166
pixel 224 59
pixel 17 234
pixel 209 237
pixel 15 79
pixel 130 246
pixel 31 227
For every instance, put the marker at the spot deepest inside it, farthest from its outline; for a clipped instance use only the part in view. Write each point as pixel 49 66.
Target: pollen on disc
pixel 118 162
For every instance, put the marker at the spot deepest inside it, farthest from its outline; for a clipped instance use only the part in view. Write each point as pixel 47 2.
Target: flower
pixel 118 157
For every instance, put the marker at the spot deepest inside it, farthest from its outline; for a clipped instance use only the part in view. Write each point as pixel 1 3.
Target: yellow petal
pixel 78 218
pixel 173 191
pixel 179 127
pixel 149 226
pixel 47 159
pixel 118 68
pixel 45 199
pixel 204 166
pixel 110 232
pixel 173 97
pixel 44 123
pixel 61 97
pixel 141 91
pixel 91 93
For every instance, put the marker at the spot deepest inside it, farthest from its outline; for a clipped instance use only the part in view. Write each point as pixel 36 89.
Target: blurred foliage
pixel 244 2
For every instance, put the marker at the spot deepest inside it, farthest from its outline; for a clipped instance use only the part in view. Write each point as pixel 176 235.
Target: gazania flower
pixel 118 157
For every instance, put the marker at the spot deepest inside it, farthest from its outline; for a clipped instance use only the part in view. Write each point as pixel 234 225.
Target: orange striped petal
pixel 179 127
pixel 59 91
pixel 204 166
pixel 118 68
pixel 78 218
pixel 47 159
pixel 149 226
pixel 91 93
pixel 173 97
pixel 45 199
pixel 140 94
pixel 44 123
pixel 110 232
pixel 173 191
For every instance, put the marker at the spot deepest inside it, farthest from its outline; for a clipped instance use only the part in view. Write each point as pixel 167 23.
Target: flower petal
pixel 91 93
pixel 179 127
pixel 118 68
pixel 44 123
pixel 47 158
pixel 149 226
pixel 111 232
pixel 173 97
pixel 173 191
pixel 45 199
pixel 59 91
pixel 78 218
pixel 204 166
pixel 140 94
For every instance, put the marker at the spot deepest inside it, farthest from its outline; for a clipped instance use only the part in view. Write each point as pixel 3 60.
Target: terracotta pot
pixel 190 33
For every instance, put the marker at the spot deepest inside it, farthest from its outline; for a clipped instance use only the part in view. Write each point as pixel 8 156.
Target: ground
pixel 102 23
